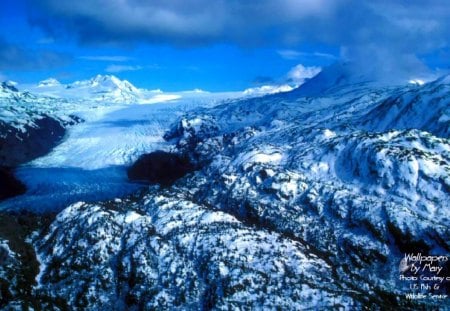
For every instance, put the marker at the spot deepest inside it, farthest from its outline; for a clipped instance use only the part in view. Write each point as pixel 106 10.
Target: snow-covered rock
pixel 426 107
pixel 169 252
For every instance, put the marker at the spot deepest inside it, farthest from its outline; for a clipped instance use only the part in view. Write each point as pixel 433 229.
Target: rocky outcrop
pixel 9 185
pixel 159 167
pixel 22 144
pixel 18 262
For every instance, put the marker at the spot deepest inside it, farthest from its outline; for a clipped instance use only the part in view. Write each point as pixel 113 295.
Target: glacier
pixel 111 132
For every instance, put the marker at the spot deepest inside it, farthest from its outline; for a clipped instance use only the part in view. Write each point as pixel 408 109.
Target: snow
pixel 329 134
pixel 132 216
pixel 118 135
pixel 268 155
pixel 160 98
pixel 303 198
pixel 49 83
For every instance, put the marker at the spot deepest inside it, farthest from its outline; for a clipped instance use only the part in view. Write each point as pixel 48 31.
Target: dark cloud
pixel 344 22
pixel 181 22
pixel 396 30
pixel 15 57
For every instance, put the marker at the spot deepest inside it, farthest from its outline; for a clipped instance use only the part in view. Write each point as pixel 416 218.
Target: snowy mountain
pixel 107 90
pixel 302 199
pixel 332 78
pixel 101 88
pixel 23 115
pixel 50 82
pixel 425 108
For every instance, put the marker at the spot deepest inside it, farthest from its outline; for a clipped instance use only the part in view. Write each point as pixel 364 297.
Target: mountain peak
pixel 336 75
pixel 105 78
pixel 104 82
pixel 49 82
pixel 106 87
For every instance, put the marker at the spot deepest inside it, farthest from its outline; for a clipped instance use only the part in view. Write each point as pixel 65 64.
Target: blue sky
pixel 218 45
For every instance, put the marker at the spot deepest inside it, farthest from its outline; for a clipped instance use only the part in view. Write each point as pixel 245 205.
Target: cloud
pixel 198 21
pixel 293 54
pixel 398 30
pixel 290 54
pixel 106 58
pixel 121 68
pixel 178 22
pixel 267 89
pixel 294 78
pixel 16 57
pixel 300 73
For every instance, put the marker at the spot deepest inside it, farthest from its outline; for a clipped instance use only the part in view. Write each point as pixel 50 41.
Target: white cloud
pixel 289 54
pixel 293 54
pixel 417 81
pixel 300 73
pixel 106 58
pixel 122 68
pixel 267 89
pixel 294 78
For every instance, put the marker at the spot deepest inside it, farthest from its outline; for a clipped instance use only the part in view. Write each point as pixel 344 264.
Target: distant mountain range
pixel 106 88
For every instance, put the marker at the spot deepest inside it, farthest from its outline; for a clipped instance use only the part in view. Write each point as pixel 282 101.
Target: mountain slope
pixel 425 108
pixel 298 201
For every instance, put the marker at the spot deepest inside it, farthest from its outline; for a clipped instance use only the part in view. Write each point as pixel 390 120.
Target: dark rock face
pixel 17 147
pixel 18 263
pixel 9 185
pixel 160 167
pixel 20 145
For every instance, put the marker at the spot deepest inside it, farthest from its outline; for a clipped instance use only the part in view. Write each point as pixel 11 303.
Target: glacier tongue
pixel 90 162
